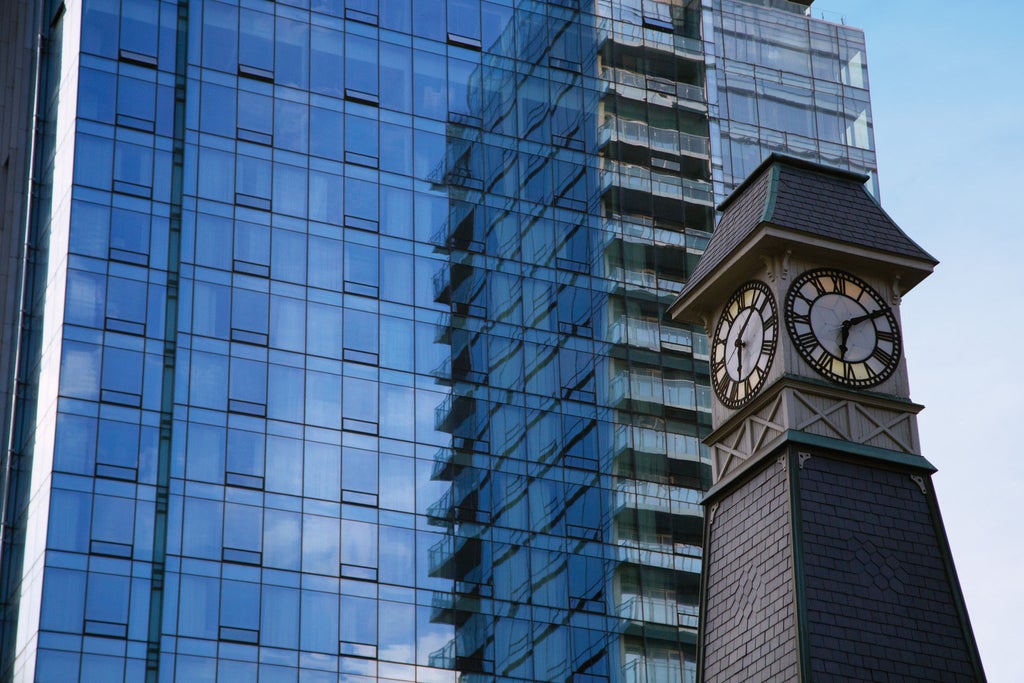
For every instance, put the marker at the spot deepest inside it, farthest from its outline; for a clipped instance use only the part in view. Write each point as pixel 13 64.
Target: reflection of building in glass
pixel 344 350
pixel 575 465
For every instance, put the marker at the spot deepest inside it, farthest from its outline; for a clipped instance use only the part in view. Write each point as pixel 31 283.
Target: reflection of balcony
pixel 443 658
pixel 452 412
pixel 442 286
pixel 446 236
pixel 439 513
pixel 660 139
pixel 644 180
pixel 450 553
pixel 443 372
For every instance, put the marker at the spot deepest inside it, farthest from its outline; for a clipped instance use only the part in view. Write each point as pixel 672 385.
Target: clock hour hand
pixel 739 355
pixel 740 344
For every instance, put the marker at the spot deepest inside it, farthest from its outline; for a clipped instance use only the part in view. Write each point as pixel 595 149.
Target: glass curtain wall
pixel 349 350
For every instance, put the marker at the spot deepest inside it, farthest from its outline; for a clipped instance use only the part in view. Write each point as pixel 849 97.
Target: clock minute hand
pixel 867 316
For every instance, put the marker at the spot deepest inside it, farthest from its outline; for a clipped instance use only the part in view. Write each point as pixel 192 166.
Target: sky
pixel 947 94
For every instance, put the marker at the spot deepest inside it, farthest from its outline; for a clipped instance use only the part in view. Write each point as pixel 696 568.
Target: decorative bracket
pixel 781 271
pixel 711 513
pixel 897 293
pixel 804 457
pixel 919 480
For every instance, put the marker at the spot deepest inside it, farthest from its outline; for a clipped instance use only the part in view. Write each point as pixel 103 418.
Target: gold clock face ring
pixel 843 328
pixel 743 344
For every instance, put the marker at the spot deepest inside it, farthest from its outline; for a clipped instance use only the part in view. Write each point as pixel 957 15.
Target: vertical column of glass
pixel 308 416
pixel 657 210
pixel 99 531
pixel 39 108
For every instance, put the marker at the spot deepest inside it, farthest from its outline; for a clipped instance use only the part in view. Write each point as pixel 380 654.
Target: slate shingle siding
pixel 750 632
pixel 879 602
pixel 807 198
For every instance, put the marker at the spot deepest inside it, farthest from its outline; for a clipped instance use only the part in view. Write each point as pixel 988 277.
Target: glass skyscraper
pixel 334 344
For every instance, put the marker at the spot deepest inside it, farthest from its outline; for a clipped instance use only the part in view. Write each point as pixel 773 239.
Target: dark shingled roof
pixel 819 201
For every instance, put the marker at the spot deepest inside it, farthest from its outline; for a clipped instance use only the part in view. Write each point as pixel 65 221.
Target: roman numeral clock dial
pixel 842 327
pixel 743 345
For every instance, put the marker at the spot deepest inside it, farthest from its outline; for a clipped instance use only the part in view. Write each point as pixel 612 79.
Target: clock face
pixel 842 327
pixel 744 344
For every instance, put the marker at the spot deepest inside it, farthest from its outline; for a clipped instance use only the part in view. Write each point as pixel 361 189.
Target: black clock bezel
pixel 878 366
pixel 721 382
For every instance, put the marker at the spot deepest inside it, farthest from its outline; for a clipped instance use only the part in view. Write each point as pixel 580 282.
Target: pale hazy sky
pixel 947 82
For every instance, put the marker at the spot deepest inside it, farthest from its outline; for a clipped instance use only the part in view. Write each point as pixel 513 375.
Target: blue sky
pixel 947 82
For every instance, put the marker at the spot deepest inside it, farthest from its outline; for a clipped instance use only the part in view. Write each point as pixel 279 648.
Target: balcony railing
pixel 657 555
pixel 632 332
pixel 656 442
pixel 645 135
pixel 658 611
pixel 625 33
pixel 656 497
pixel 648 334
pixel 642 87
pixel 642 179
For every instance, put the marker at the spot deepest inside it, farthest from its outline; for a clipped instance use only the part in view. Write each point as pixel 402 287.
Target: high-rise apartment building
pixel 338 347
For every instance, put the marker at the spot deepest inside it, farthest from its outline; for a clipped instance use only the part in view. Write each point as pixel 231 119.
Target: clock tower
pixel 825 554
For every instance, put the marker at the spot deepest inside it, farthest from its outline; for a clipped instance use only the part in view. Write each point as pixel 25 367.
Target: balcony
pixel 652 388
pixel 622 33
pixel 652 89
pixel 660 139
pixel 658 611
pixel 644 230
pixel 645 282
pixel 642 179
pixel 663 556
pixel 656 442
pixel 656 497
pixel 643 334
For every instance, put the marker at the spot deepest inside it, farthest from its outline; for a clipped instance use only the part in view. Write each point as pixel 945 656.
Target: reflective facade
pixel 345 355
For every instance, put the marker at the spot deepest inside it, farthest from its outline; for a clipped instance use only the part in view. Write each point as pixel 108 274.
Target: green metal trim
pixel 703 595
pixel 839 446
pixel 872 452
pixel 803 645
pixel 170 346
pixel 773 191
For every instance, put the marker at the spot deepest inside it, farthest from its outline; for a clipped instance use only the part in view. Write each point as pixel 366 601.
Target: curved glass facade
pixel 349 355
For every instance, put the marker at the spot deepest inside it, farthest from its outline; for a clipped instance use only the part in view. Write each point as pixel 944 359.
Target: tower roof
pixel 810 202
